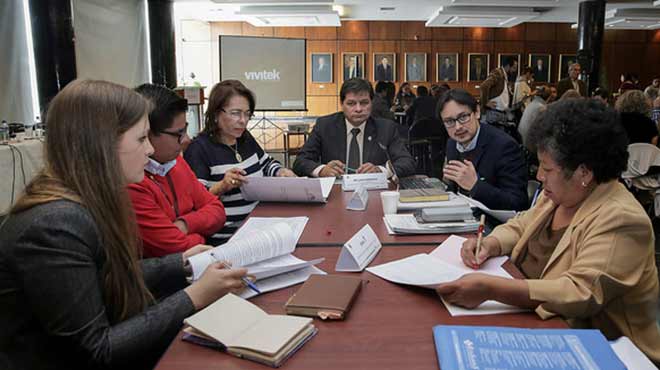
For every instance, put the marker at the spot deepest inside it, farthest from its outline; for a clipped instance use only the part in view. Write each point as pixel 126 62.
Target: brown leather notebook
pixel 324 296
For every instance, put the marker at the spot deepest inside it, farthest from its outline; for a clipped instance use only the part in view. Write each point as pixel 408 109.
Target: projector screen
pixel 273 68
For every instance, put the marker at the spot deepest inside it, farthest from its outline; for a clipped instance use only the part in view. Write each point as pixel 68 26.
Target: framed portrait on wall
pixel 565 61
pixel 447 67
pixel 353 65
pixel 415 67
pixel 540 65
pixel 478 66
pixel 501 58
pixel 321 67
pixel 384 67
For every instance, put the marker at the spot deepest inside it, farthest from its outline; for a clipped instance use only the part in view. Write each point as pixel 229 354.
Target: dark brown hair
pixel 220 95
pixel 85 122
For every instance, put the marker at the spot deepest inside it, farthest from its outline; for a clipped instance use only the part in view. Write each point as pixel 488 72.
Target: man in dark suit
pixel 321 71
pixel 350 141
pixel 541 71
pixel 352 69
pixel 572 82
pixel 384 71
pixel 483 162
pixel 447 71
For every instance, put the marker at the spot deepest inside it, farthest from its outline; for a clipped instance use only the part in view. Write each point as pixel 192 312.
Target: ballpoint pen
pixel 246 281
pixel 480 234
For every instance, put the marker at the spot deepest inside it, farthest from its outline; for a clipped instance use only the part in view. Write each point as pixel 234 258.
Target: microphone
pixel 389 159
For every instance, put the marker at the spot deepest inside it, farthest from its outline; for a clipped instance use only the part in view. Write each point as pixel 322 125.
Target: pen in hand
pixel 480 235
pixel 245 280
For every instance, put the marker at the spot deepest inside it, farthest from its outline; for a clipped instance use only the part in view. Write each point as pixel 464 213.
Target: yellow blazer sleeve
pixel 509 234
pixel 604 260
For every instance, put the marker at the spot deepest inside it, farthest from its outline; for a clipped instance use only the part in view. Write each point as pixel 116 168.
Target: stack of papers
pixel 407 224
pixel 500 215
pixel 263 245
pixel 444 265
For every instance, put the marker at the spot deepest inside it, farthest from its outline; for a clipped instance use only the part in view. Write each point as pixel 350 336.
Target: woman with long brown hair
pixel 73 290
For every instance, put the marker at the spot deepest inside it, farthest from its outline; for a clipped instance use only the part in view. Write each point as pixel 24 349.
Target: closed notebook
pixel 244 330
pixel 325 296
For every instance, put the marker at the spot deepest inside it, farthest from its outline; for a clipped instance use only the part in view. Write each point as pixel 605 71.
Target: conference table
pixel 332 224
pixel 389 325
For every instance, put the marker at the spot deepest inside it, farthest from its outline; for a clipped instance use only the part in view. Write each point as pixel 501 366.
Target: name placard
pixel 359 199
pixel 369 181
pixel 359 251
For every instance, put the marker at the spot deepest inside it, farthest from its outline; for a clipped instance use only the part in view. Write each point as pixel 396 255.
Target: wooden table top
pixel 389 326
pixel 332 224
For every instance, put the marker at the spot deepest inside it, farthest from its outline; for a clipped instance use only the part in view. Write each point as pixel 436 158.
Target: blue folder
pixel 493 347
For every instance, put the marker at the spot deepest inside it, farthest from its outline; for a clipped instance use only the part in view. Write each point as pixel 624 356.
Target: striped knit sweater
pixel 210 160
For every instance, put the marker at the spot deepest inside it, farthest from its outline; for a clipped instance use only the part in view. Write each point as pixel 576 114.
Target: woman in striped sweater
pixel 225 154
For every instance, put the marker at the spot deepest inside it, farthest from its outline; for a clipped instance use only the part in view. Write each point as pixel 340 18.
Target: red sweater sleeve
pixel 160 236
pixel 209 214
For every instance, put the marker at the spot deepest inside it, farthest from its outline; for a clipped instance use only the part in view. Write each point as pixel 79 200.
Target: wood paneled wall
pixel 623 51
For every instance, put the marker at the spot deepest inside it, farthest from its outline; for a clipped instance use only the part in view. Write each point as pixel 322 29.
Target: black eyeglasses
pixel 180 135
pixel 462 118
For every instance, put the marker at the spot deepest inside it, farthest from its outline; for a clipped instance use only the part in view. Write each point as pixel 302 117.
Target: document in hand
pixel 407 224
pixel 491 347
pixel 264 248
pixel 244 330
pixel 444 265
pixel 288 189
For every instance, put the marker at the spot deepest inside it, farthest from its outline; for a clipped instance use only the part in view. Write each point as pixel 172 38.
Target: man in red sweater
pixel 174 211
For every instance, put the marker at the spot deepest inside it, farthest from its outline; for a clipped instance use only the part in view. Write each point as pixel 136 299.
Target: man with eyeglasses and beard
pixel 483 162
pixel 174 211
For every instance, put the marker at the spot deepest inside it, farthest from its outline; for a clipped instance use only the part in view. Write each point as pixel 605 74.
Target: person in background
pixel 522 90
pixel 572 82
pixel 422 107
pixel 224 155
pixel 74 291
pixel 634 108
pixel 602 95
pixel 626 83
pixel 586 248
pixel 381 106
pixel 570 94
pixel 495 95
pixel 173 210
pixel 553 95
pixel 404 98
pixel 655 112
pixel 352 141
pixel 652 90
pixel 483 162
pixel 537 105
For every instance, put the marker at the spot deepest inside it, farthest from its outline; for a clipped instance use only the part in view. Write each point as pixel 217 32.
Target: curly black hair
pixel 585 132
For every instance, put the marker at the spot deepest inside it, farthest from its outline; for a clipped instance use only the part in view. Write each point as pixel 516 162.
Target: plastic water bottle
pixel 4 131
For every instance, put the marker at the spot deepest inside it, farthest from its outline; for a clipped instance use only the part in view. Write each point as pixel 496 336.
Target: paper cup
pixel 390 200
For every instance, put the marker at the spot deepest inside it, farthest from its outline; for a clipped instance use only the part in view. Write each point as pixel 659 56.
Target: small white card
pixel 359 251
pixel 359 199
pixel 377 180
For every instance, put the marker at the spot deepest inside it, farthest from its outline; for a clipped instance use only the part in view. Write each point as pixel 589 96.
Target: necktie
pixel 354 151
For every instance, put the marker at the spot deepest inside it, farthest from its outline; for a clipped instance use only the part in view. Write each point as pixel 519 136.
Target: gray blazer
pixel 52 312
pixel 327 142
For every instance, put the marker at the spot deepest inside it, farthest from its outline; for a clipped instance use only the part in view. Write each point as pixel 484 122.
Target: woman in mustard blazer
pixel 587 246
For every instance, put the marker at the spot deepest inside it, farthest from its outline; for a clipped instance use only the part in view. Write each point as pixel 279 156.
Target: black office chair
pixel 427 138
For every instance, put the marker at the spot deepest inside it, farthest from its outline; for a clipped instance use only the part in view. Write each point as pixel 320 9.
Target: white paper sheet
pixel 444 265
pixel 255 224
pixel 282 281
pixel 630 355
pixel 287 189
pixel 450 251
pixel 276 240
